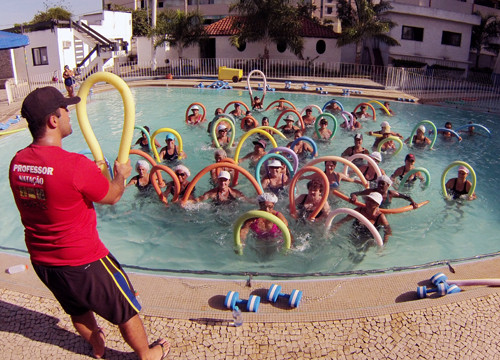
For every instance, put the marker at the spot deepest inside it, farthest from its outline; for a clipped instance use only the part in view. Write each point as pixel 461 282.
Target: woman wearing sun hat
pixel 222 136
pixel 289 128
pixel 276 178
pixel 460 185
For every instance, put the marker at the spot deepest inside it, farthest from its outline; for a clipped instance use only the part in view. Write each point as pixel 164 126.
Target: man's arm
pixel 396 194
pixel 117 185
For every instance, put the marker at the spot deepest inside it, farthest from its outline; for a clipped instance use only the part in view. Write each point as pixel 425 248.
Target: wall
pixel 44 38
pixel 431 46
pixel 111 24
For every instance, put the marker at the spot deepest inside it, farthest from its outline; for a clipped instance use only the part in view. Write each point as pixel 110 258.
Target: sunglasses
pixel 180 174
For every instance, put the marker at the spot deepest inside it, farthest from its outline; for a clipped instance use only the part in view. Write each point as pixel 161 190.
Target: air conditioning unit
pixel 66 44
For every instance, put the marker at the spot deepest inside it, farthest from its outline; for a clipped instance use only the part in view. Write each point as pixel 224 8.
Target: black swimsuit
pixel 306 212
pixel 142 188
pixel 457 193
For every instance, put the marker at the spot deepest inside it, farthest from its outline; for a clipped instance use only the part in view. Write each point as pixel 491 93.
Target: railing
pixel 429 86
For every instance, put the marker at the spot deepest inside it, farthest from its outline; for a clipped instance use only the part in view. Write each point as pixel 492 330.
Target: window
pixel 160 4
pixel 412 33
pixel 281 46
pixel 329 10
pixel 451 38
pixel 320 46
pixel 40 56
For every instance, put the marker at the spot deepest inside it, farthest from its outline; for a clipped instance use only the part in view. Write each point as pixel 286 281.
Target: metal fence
pixel 429 85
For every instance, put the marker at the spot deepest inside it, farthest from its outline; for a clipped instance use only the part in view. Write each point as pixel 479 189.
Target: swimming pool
pixel 144 233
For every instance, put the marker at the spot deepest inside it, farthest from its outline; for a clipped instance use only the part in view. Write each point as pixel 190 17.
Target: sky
pixel 19 11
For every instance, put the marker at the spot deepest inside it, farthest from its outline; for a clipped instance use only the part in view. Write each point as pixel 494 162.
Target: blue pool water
pixel 144 233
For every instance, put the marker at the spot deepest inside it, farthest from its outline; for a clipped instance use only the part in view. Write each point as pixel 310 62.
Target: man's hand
pixel 122 170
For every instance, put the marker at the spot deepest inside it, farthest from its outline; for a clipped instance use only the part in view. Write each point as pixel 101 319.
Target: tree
pixel 364 22
pixel 180 30
pixel 140 23
pixel 268 21
pixel 484 35
pixel 53 13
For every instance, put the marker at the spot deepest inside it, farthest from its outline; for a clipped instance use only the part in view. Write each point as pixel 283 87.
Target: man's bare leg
pixel 87 327
pixel 135 335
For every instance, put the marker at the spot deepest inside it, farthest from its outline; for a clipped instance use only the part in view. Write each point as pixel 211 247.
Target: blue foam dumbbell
pixel 233 299
pixel 438 278
pixel 441 290
pixel 293 298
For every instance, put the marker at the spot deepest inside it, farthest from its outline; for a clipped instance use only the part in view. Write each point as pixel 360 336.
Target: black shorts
pixel 101 286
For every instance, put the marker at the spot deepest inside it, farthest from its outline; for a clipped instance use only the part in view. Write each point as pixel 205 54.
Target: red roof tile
pixel 224 27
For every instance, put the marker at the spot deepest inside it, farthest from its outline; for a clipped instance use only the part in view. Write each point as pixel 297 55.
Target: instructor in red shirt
pixel 54 191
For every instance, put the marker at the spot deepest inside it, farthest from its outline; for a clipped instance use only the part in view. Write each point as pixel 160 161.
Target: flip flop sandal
pixel 162 343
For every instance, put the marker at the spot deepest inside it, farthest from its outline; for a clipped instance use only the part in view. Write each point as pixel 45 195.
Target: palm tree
pixel 484 34
pixel 179 29
pixel 267 21
pixel 364 22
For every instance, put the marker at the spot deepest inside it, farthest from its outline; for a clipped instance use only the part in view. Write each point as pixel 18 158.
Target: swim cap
pixel 422 128
pixel 170 136
pixel 264 197
pixel 184 169
pixel 375 196
pixel 142 163
pixel 376 155
pixel 385 179
pixel 463 168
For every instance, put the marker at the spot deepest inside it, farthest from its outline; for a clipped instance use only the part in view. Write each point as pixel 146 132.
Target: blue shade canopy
pixel 11 41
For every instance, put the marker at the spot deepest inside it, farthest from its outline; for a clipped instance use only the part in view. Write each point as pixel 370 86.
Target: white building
pixel 85 45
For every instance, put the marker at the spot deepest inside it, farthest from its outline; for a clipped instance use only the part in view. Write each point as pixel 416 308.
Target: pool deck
pixel 365 317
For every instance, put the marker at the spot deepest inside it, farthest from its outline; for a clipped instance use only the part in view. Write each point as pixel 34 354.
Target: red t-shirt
pixel 54 190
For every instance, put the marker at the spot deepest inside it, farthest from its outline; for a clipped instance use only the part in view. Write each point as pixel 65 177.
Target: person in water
pixel 371 211
pixel 307 203
pixel 385 128
pixel 219 156
pixel 237 112
pixel 143 180
pixel 171 152
pixel 249 123
pixel 276 178
pixel 356 149
pixel 222 136
pixel 144 143
pixel 356 125
pixel 222 194
pixel 301 148
pixel 323 130
pixel 386 146
pixel 459 187
pixel 195 117
pixel 368 171
pixel 257 103
pixel 308 118
pixel 383 184
pixel 448 134
pixel 289 128
pixel 401 171
pixel 363 113
pixel 183 174
pixel 259 150
pixel 334 178
pixel 262 228
pixel 333 107
pixel 420 140
pixel 387 105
